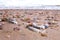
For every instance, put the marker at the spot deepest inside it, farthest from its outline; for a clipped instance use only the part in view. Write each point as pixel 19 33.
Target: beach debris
pixel 12 20
pixel 35 27
pixel 45 26
pixel 38 30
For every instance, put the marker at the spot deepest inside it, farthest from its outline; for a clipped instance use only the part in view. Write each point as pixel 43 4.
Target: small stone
pixel 30 24
pixel 16 28
pixel 26 19
pixel 43 33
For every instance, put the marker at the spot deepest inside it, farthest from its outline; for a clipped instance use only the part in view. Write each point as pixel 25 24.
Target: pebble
pixel 16 28
pixel 43 33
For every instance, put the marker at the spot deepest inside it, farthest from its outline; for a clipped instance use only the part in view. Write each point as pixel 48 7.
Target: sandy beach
pixel 23 17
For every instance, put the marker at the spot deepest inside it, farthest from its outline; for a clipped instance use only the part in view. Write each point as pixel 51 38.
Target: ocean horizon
pixel 51 7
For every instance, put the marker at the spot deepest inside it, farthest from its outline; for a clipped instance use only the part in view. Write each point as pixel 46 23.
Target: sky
pixel 28 2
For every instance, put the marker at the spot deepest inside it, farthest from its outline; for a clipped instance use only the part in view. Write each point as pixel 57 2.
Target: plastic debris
pixel 40 29
pixel 33 29
pixel 45 26
pixel 12 21
pixel 43 32
pixel 36 28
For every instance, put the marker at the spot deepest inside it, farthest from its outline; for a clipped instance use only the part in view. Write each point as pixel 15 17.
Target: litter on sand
pixel 36 28
pixel 44 26
pixel 33 29
pixel 12 20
